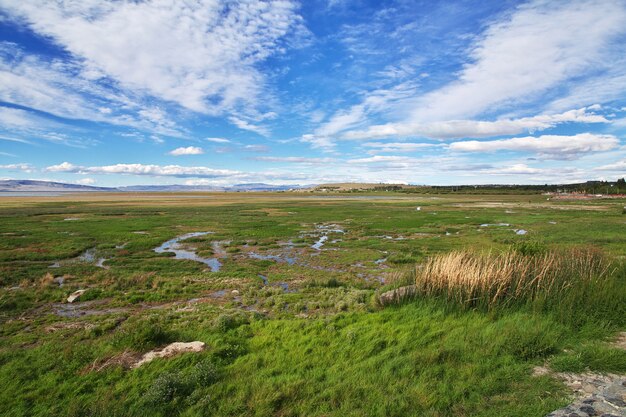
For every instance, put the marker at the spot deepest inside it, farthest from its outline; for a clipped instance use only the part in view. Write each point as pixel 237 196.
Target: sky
pixel 208 92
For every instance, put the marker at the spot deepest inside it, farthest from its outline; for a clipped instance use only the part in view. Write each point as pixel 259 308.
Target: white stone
pixel 170 350
pixel 75 296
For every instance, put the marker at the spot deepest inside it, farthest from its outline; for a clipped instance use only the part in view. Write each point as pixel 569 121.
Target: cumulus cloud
pixel 189 150
pixel 141 169
pixel 548 146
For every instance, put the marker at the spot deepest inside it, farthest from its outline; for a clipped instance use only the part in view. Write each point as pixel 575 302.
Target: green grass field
pixel 299 333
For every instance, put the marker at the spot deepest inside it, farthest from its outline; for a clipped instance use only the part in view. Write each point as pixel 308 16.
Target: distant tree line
pixel 589 187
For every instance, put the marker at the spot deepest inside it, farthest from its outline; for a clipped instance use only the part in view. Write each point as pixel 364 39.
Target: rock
pixel 589 389
pixel 169 351
pixel 75 296
pixel 234 292
pixel 618 402
pixel 397 295
pixel 588 409
pixel 597 394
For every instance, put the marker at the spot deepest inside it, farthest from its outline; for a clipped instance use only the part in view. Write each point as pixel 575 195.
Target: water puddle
pixel 290 260
pixel 324 231
pixel 88 257
pixel 320 242
pixel 174 246
pixel 86 308
pixel 283 285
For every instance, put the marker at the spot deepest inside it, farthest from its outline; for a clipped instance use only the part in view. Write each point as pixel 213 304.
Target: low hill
pixel 46 186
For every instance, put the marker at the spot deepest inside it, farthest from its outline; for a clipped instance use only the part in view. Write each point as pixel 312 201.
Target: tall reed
pixel 568 282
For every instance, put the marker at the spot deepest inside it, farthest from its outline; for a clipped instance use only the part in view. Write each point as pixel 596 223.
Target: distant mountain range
pixel 49 186
pixel 46 186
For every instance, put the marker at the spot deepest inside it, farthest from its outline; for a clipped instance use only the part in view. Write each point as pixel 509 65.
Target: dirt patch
pixel 620 341
pixel 125 359
pixel 68 326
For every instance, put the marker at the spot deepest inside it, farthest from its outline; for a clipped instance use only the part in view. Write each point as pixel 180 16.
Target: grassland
pixel 304 337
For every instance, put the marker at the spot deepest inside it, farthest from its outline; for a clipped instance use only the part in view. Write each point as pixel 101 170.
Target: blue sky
pixel 225 92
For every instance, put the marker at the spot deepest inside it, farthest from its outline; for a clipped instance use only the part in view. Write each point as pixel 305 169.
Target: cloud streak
pixel 456 129
pixel 547 146
pixel 142 169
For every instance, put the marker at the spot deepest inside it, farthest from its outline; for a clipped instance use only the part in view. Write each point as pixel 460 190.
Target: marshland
pixel 291 322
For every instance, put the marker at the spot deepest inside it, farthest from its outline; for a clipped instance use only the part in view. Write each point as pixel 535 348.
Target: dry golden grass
pixel 495 279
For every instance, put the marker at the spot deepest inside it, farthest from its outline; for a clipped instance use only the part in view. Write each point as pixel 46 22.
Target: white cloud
pixel 377 101
pixel 295 159
pixel 217 140
pixel 189 150
pixel 141 169
pixel 11 139
pixel 56 87
pixel 548 146
pixel 86 181
pixel 391 162
pixel 245 125
pixel 516 169
pixel 477 129
pixel 616 166
pixel 15 118
pixel 256 148
pixel 387 147
pixel 201 54
pixel 28 168
pixel 540 45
